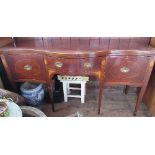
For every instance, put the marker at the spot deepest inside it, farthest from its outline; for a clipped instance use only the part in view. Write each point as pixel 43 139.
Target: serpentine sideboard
pixel 116 67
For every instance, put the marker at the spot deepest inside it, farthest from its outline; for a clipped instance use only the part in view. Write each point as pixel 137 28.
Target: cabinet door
pixel 126 69
pixel 28 66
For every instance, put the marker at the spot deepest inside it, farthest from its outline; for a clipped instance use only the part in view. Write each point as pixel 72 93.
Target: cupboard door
pixel 130 69
pixel 29 66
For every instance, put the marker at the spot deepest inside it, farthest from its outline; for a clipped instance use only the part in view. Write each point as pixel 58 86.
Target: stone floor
pixel 114 104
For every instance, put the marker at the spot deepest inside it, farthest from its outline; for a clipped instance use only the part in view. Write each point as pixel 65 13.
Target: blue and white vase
pixel 34 93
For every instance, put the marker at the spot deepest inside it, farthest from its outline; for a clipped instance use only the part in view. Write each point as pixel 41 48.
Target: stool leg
pixel 82 92
pixel 68 90
pixel 85 89
pixel 65 91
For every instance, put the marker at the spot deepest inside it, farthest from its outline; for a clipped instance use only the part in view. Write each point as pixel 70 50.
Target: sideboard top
pixel 76 53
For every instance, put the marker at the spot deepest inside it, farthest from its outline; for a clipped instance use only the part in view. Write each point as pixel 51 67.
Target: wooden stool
pixel 67 80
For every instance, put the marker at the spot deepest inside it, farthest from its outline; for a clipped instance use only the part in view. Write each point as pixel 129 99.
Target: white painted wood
pixel 82 92
pixel 68 88
pixel 73 88
pixel 65 91
pixel 67 80
pixel 76 96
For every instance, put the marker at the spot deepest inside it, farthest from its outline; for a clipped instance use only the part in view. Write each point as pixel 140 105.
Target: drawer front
pixel 75 66
pixel 63 65
pixel 26 66
pixel 89 65
pixel 126 69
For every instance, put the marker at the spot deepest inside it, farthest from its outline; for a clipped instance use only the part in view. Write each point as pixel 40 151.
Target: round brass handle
pixel 58 64
pixel 87 65
pixel 124 69
pixel 28 67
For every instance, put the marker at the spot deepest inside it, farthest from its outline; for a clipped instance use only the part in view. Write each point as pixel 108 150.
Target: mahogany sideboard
pixel 115 67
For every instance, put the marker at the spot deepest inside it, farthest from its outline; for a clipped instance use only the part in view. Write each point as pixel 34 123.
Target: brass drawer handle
pixel 124 69
pixel 87 65
pixel 58 64
pixel 28 67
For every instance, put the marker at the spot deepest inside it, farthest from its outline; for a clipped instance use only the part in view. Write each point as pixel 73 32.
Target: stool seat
pixel 67 80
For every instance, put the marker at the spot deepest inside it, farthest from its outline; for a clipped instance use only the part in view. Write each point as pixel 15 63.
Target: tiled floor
pixel 115 103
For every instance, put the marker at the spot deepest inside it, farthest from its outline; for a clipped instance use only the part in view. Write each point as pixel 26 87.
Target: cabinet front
pixel 29 66
pixel 126 69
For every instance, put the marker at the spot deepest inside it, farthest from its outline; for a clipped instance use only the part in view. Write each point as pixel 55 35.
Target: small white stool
pixel 67 80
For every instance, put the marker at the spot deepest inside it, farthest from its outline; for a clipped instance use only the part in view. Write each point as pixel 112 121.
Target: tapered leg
pixel 143 88
pixel 138 90
pixel 100 94
pixel 50 86
pixel 139 100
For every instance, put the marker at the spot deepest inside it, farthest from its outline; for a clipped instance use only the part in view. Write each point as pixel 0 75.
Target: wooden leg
pixel 50 87
pixel 100 94
pixel 143 88
pixel 138 90
pixel 126 89
pixel 139 100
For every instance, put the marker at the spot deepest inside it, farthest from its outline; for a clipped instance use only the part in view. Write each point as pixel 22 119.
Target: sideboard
pixel 111 67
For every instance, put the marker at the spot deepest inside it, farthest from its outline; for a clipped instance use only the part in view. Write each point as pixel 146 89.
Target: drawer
pixel 63 65
pixel 129 69
pixel 76 66
pixel 89 65
pixel 26 66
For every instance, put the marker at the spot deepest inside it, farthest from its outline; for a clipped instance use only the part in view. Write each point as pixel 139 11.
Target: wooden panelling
pixel 84 43
pixel 104 43
pixel 6 41
pixel 139 43
pixel 94 43
pixel 47 43
pixel 114 43
pixel 65 43
pixel 124 43
pixel 31 42
pixel 56 43
pixel 74 43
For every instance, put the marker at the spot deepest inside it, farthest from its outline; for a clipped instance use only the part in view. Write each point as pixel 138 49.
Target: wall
pixel 84 43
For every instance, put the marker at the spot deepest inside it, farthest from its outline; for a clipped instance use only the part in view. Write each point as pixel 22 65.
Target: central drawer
pixel 128 69
pixel 76 66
